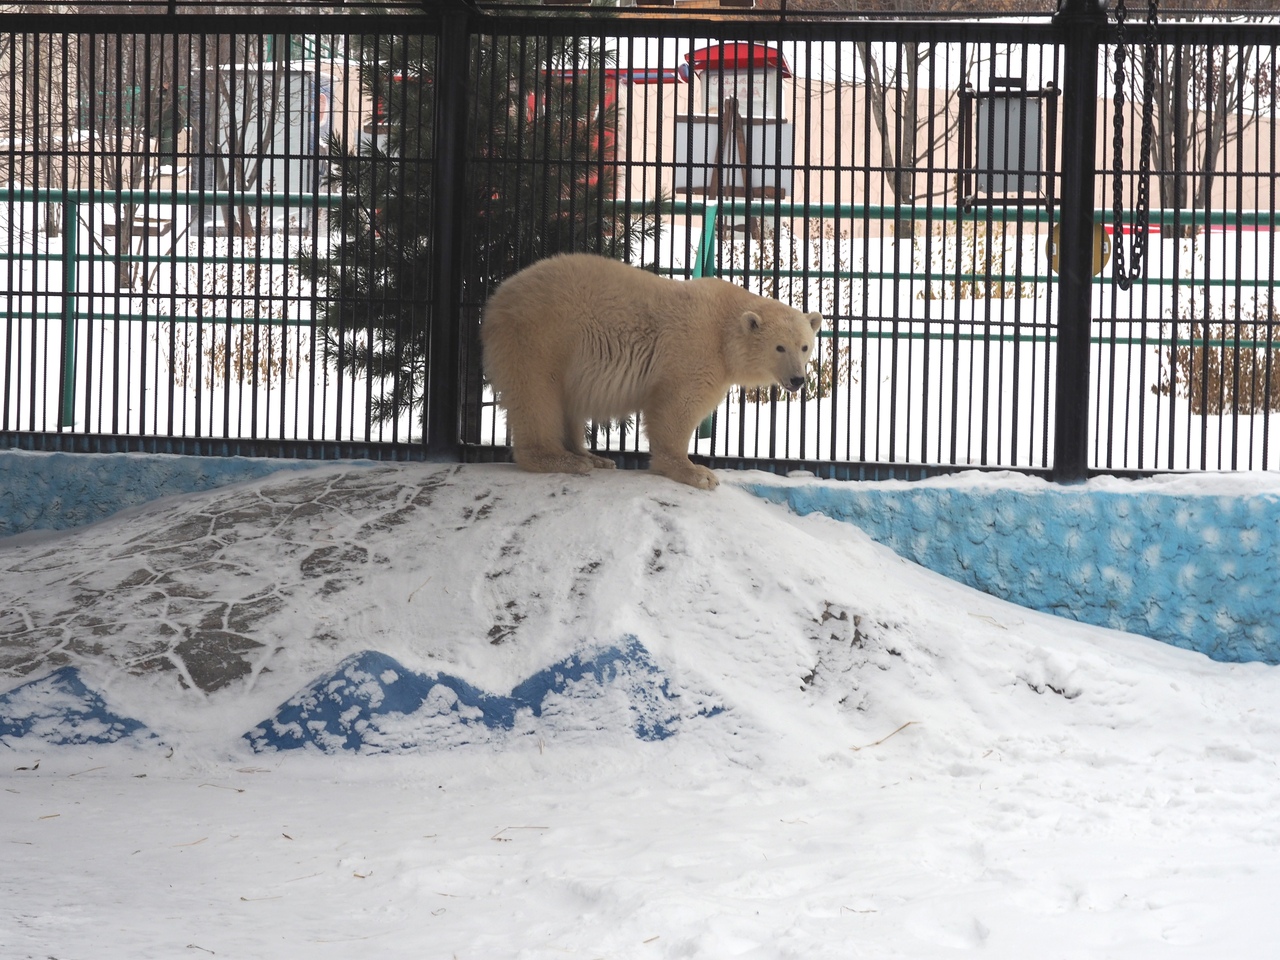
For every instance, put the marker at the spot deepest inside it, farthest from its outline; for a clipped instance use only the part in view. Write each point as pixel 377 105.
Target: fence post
pixel 705 265
pixel 444 383
pixel 1081 23
pixel 70 257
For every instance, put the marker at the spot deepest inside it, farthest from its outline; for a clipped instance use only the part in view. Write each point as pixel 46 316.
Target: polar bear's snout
pixel 794 384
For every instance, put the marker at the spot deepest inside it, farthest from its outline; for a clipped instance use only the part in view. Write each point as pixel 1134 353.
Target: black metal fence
pixel 275 234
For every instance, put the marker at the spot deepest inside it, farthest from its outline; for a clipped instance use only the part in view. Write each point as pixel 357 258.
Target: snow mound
pixel 401 608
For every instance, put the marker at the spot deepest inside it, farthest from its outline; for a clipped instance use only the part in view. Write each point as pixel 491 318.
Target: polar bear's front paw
pixel 685 471
pixel 704 478
pixel 546 461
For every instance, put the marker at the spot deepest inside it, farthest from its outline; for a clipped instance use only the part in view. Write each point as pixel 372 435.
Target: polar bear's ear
pixel 751 321
pixel 815 321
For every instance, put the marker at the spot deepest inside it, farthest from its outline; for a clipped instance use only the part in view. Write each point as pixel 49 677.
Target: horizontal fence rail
pixel 276 234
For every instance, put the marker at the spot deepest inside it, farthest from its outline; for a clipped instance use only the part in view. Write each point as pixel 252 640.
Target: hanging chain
pixel 1142 208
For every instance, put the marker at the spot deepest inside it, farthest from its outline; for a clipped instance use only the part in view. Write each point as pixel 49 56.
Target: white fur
pixel 579 337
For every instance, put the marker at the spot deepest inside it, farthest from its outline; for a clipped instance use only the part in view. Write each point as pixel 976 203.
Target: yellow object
pixel 1101 248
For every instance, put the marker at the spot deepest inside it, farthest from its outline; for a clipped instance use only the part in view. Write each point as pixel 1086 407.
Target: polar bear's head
pixel 780 343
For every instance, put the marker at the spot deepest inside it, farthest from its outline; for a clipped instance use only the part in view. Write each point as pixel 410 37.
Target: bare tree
pixel 893 86
pixel 34 97
pixel 131 86
pixel 133 93
pixel 1205 98
pixel 912 118
pixel 244 87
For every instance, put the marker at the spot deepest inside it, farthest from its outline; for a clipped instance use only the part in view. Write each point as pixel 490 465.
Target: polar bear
pixel 579 337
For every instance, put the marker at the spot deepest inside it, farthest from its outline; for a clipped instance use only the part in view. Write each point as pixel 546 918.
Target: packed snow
pixel 718 730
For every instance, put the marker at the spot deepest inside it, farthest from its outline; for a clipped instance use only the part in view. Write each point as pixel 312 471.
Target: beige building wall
pixel 839 155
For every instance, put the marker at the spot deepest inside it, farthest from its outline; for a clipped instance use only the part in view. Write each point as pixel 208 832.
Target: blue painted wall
pixel 57 491
pixel 1197 570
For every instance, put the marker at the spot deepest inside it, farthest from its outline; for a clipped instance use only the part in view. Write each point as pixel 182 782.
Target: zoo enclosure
pixel 275 234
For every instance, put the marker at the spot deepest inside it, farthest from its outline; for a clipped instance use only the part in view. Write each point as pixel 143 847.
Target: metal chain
pixel 1142 208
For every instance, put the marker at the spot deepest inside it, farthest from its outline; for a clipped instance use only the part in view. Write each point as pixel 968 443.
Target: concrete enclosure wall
pixel 1192 561
pixel 58 491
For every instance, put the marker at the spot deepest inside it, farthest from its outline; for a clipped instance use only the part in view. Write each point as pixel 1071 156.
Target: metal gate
pixel 274 235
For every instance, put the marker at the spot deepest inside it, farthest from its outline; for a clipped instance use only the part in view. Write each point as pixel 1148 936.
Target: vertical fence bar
pixel 70 255
pixel 1081 23
pixel 443 400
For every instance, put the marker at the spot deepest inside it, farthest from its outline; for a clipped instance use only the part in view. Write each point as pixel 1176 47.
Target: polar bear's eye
pixel 781 348
pixel 805 348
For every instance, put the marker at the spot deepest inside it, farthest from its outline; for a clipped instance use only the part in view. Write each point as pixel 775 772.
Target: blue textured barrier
pixel 371 703
pixel 59 710
pixel 59 491
pixel 1196 571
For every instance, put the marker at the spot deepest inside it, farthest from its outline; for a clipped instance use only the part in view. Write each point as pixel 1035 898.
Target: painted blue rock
pixel 372 703
pixel 60 710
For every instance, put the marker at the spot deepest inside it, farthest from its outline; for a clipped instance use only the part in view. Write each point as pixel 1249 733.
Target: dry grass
pixel 1226 368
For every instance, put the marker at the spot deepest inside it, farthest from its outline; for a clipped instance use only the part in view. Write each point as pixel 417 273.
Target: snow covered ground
pixel 792 744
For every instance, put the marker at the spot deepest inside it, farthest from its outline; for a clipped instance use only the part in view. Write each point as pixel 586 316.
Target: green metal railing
pixel 706 260
pixel 70 257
